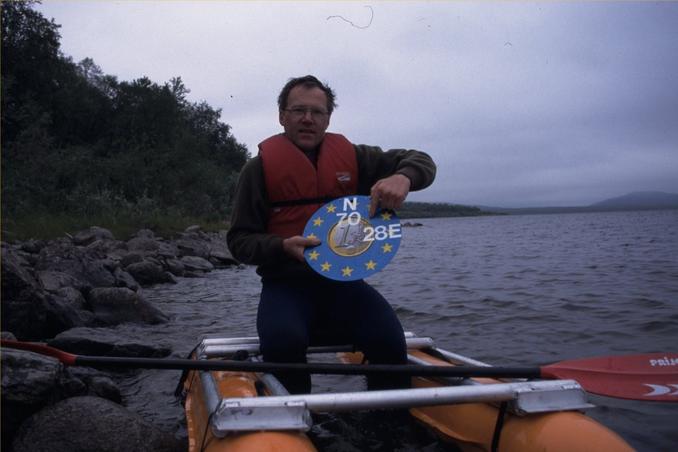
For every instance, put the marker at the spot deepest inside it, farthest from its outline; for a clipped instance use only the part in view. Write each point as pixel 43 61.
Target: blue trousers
pixel 316 311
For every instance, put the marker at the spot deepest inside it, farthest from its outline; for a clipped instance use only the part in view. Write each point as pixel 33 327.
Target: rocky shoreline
pixel 65 293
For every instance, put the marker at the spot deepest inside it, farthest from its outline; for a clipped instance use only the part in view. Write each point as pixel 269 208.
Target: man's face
pixel 306 129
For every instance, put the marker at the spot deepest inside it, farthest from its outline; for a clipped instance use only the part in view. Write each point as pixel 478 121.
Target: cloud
pixel 519 103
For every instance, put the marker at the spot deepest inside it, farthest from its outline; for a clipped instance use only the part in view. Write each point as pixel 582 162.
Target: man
pixel 278 190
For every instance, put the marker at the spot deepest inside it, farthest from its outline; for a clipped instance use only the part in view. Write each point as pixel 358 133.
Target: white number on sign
pixel 352 218
pixel 382 232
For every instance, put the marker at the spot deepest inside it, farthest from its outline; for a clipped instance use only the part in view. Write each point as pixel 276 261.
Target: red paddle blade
pixel 651 377
pixel 65 357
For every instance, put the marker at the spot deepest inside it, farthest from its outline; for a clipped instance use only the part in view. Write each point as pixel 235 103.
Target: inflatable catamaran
pixel 251 411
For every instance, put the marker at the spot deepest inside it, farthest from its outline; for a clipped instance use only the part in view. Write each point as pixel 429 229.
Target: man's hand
pixel 389 193
pixel 294 246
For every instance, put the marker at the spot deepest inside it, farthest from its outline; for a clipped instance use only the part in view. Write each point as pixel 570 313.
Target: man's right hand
pixel 295 246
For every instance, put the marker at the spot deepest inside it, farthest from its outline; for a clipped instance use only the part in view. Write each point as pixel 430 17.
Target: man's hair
pixel 307 81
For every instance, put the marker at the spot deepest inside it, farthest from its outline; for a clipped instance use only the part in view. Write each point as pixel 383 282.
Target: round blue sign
pixel 353 246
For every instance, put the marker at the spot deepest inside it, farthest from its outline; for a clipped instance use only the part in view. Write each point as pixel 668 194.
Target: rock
pixel 143 245
pixel 115 305
pixel 52 280
pixel 168 250
pixel 95 382
pixel 91 267
pixel 18 281
pixel 31 381
pixel 148 272
pixel 145 234
pixel 28 382
pixel 131 258
pixel 112 248
pixel 28 379
pixel 222 258
pixel 193 228
pixel 124 279
pixel 175 267
pixel 193 245
pixel 105 342
pixel 7 335
pixel 32 246
pixel 43 316
pixel 92 234
pixel 85 424
pixel 194 263
pixel 66 309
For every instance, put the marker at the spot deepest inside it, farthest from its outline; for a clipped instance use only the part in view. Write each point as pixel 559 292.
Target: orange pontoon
pixel 246 411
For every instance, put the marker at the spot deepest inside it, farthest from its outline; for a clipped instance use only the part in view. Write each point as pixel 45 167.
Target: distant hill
pixel 640 200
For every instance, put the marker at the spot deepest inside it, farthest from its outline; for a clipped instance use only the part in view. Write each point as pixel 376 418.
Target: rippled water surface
pixel 509 290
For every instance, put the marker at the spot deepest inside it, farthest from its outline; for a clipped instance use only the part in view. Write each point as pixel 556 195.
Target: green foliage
pixel 77 143
pixel 430 210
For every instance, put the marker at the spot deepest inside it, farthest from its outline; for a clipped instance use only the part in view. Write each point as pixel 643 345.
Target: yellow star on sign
pixel 318 221
pixel 371 265
pixel 331 208
pixel 385 216
pixel 313 255
pixel 387 248
pixel 311 236
pixel 346 271
pixel 326 266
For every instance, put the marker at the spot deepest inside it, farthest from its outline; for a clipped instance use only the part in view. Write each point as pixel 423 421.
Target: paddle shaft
pixel 249 366
pixel 309 368
pixel 649 377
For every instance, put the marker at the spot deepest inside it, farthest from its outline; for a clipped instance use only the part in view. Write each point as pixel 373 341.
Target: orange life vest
pixel 296 188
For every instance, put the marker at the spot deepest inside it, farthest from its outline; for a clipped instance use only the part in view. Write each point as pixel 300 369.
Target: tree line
pixel 82 144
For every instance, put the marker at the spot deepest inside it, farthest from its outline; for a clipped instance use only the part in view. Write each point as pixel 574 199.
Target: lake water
pixel 508 290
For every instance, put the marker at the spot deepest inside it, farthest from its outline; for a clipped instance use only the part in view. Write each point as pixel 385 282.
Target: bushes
pixel 79 145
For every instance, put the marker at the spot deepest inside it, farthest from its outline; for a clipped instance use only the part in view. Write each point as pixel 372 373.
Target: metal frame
pixel 282 411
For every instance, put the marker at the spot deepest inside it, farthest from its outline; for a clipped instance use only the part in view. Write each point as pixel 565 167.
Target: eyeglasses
pixel 299 112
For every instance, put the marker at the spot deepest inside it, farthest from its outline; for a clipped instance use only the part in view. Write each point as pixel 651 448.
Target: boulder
pixel 193 244
pixel 31 381
pixel 175 267
pixel 32 246
pixel 106 342
pixel 52 280
pixel 130 258
pixel 85 424
pixel 28 379
pixel 221 257
pixel 145 234
pixel 18 280
pixel 148 272
pixel 83 238
pixel 66 309
pixel 44 315
pixel 28 382
pixel 89 266
pixel 124 279
pixel 194 263
pixel 115 305
pixel 143 245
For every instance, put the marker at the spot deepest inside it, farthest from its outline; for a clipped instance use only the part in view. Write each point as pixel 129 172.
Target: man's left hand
pixel 389 193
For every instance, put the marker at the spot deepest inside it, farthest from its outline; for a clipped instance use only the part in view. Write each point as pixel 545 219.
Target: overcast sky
pixel 519 104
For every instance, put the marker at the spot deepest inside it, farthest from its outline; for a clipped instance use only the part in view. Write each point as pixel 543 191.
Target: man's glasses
pixel 297 113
